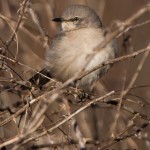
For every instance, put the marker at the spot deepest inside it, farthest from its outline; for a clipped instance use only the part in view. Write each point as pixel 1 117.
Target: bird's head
pixel 78 16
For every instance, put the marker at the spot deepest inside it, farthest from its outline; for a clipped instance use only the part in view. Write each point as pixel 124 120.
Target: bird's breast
pixel 73 50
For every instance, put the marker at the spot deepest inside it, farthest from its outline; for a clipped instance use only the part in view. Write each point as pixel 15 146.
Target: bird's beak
pixel 58 19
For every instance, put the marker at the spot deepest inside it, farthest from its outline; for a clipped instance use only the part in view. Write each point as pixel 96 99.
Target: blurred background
pixel 28 47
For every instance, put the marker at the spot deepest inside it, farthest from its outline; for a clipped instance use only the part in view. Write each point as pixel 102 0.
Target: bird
pixel 81 32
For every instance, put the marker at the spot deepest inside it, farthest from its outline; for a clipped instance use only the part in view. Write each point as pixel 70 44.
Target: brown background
pixel 31 52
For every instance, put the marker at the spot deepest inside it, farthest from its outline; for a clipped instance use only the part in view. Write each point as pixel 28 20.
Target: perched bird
pixel 81 32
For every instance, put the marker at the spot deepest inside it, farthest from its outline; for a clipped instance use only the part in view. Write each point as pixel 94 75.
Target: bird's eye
pixel 76 18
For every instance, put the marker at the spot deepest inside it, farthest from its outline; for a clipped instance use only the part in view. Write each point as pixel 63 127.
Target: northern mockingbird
pixel 81 32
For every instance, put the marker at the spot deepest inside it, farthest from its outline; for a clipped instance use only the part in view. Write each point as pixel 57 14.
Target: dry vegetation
pixel 56 115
